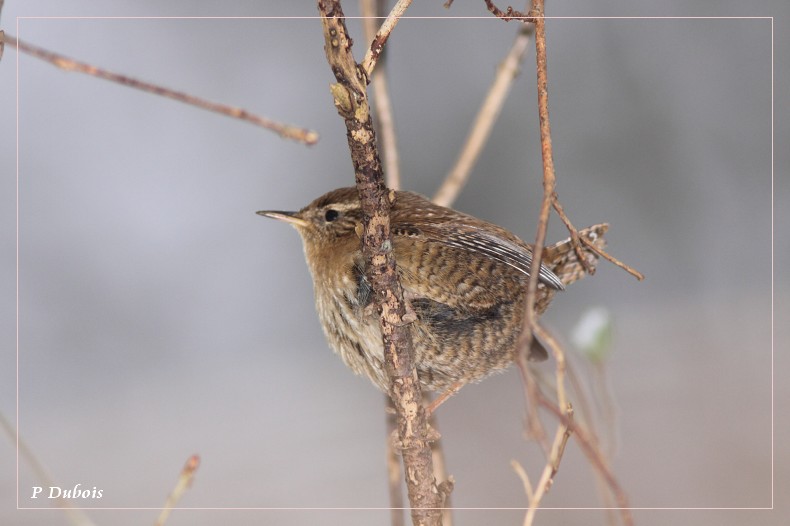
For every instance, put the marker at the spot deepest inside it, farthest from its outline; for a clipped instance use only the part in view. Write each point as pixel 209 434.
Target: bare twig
pixel 372 55
pixel 425 495
pixel 559 356
pixel 585 438
pixel 286 131
pixel 522 474
pixel 548 170
pixel 555 452
pixel 577 241
pixel 507 15
pixel 530 324
pixel 536 16
pixel 534 427
pixel 183 483
pixel 595 457
pixel 635 273
pixel 563 432
pixel 75 516
pixel 550 469
pixel 484 121
pixel 382 100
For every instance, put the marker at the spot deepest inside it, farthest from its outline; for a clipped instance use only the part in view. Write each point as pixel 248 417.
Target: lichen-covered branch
pixel 349 92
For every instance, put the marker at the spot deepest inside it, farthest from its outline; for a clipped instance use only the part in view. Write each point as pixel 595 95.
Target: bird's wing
pixel 493 243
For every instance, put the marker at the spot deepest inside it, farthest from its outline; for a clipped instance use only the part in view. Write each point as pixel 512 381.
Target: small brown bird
pixel 463 278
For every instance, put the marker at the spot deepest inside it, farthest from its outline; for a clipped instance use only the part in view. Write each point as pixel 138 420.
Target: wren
pixel 464 280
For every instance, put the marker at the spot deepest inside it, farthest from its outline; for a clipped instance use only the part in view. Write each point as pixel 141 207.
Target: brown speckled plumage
pixel 464 279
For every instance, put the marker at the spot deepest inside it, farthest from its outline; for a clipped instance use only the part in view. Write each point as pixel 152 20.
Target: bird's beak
pixel 288 217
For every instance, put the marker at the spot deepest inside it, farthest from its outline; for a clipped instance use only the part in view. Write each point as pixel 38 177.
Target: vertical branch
pixel 548 167
pixel 349 93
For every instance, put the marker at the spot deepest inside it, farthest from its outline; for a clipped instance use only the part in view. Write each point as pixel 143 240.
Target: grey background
pixel 159 317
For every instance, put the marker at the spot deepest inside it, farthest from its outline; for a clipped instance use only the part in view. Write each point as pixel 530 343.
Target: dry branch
pixel 285 131
pixel 588 447
pixel 425 496
pixel 548 169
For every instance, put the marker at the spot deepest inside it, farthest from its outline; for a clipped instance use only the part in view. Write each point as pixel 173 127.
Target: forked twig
pixel 373 52
pixel 286 131
pixel 577 241
pixel 557 449
pixel 595 457
pixel 550 469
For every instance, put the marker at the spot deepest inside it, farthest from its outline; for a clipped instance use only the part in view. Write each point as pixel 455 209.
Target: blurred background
pixel 158 316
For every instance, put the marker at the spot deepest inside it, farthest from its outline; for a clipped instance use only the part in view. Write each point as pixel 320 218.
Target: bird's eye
pixel 331 215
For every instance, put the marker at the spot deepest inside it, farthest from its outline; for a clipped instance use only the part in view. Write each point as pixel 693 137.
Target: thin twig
pixel 548 170
pixel 381 99
pixel 606 443
pixel 534 429
pixel 522 474
pixel 286 131
pixel 557 449
pixel 372 55
pixel 559 356
pixel 426 497
pixel 635 273
pixel 583 407
pixel 537 13
pixel 595 457
pixel 484 121
pixel 587 440
pixel 183 483
pixel 507 15
pixel 550 469
pixel 75 516
pixel 562 434
pixel 577 241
